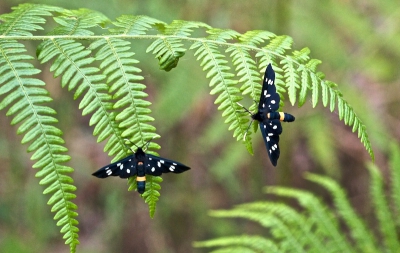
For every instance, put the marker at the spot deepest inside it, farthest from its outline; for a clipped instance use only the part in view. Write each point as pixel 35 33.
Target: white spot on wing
pixel 265 92
pixel 161 161
pixel 267 138
pixel 273 147
pixel 174 163
pixel 158 164
pixel 153 169
pixel 273 102
pixel 275 127
pixel 150 158
pixel 172 168
pixel 128 170
pixel 270 134
pixel 121 167
pixel 268 95
pixel 118 164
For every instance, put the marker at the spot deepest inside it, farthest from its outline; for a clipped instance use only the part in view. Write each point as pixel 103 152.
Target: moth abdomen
pixel 282 116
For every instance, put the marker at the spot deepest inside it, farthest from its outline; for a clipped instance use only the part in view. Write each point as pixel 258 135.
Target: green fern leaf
pixel 25 19
pixel 169 50
pixel 394 164
pixel 327 225
pixel 123 76
pixel 256 37
pixel 222 82
pixel 305 87
pixel 292 78
pixel 291 217
pixel 363 238
pixel 134 25
pixel 386 224
pixel 152 193
pixel 25 95
pixel 278 228
pixel 244 242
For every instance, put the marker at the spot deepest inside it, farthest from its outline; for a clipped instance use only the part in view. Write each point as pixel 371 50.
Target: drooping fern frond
pixel 222 82
pixel 123 78
pixel 26 97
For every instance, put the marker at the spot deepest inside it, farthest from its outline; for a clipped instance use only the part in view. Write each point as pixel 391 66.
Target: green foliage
pixel 101 70
pixel 26 97
pixel 316 227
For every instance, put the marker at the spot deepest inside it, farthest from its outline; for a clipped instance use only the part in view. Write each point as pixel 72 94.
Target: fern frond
pixel 170 50
pixel 386 225
pixel 252 243
pixel 118 65
pixel 37 123
pixel 246 69
pixel 361 234
pixel 394 165
pixel 78 22
pixel 278 228
pixel 73 63
pixel 134 25
pixel 324 220
pixel 221 82
pixel 301 225
pixel 25 19
pixel 152 193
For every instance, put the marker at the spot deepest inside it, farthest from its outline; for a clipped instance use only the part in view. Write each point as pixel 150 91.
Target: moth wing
pixel 271 129
pixel 155 166
pixel 123 168
pixel 269 98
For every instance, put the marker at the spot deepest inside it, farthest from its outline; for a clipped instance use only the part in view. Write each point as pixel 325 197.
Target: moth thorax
pixel 140 163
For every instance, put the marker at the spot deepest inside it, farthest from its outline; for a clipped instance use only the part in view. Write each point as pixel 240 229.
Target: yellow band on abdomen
pixel 282 116
pixel 140 179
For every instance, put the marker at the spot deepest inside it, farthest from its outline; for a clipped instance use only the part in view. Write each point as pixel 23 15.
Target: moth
pixel 140 164
pixel 268 117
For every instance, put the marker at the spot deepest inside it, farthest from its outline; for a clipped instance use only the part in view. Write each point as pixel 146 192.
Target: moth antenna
pixel 244 137
pixel 131 143
pixel 148 143
pixel 244 108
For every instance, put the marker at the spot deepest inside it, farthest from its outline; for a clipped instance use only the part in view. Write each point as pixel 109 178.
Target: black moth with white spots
pixel 268 117
pixel 139 164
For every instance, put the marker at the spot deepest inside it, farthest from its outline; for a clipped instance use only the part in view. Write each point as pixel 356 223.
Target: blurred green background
pixel 358 42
